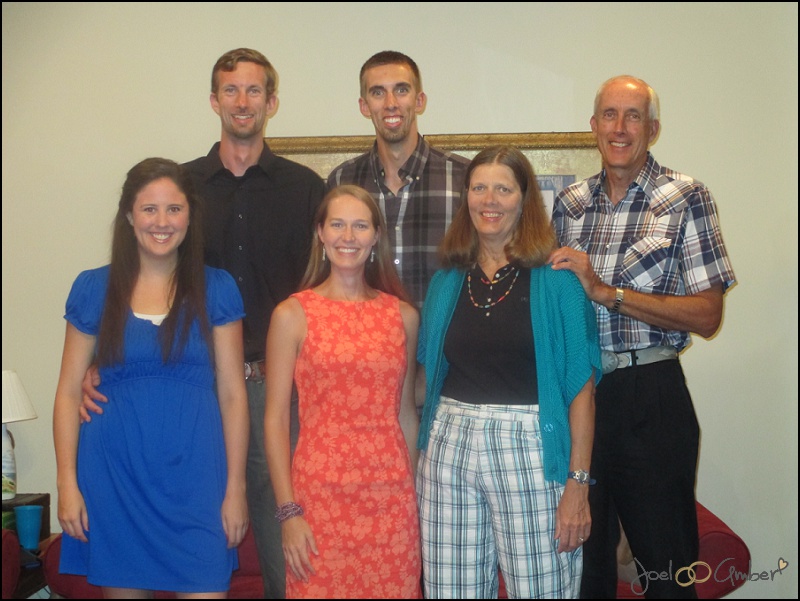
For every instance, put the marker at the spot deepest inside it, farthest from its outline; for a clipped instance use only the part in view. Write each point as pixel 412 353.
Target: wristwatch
pixel 581 477
pixel 619 296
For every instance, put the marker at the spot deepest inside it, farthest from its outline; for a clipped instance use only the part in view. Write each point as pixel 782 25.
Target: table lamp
pixel 17 407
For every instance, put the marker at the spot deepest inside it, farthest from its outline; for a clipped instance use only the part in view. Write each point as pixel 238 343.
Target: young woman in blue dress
pixel 151 494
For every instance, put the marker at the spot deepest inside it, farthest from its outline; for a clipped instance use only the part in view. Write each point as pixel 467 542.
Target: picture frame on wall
pixel 558 158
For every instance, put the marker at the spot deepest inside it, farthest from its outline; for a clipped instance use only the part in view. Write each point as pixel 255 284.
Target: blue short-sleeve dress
pixel 152 468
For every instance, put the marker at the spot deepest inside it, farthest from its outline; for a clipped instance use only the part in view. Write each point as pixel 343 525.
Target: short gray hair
pixel 654 108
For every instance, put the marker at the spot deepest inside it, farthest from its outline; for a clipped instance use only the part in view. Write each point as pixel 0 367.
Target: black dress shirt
pixel 258 228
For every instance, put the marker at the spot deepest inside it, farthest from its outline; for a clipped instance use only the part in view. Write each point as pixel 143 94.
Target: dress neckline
pixel 334 300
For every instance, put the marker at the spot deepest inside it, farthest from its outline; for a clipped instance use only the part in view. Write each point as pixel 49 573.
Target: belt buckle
pixel 253 371
pixel 625 359
pixel 609 360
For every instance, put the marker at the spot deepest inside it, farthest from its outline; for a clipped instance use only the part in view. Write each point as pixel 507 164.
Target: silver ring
pixel 580 538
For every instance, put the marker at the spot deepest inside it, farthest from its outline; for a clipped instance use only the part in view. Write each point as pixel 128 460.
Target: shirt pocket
pixel 645 261
pixel 576 244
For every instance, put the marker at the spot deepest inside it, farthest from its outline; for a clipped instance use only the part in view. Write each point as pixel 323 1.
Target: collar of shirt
pixel 214 166
pixel 646 181
pixel 410 171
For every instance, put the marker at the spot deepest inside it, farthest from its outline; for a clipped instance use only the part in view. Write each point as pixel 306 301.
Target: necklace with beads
pixel 496 280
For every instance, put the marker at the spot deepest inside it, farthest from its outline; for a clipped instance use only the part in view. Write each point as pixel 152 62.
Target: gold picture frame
pixel 554 153
pixel 558 158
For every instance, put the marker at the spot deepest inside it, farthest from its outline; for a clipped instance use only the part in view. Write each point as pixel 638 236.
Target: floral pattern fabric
pixel 351 471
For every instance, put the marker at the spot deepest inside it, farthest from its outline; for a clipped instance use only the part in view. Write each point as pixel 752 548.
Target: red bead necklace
pixel 488 306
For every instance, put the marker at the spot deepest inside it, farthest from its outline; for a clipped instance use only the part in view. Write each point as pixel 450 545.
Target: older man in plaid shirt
pixel 646 245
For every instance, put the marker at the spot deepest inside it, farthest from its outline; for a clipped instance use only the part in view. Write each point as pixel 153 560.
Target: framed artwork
pixel 558 158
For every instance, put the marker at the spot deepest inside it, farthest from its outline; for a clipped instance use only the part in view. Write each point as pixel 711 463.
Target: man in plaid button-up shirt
pixel 645 243
pixel 417 187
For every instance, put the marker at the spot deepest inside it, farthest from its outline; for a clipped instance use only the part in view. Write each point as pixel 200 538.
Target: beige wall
pixel 90 89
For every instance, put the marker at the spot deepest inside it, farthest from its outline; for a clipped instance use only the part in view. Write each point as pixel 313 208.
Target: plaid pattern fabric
pixel 662 238
pixel 418 216
pixel 483 499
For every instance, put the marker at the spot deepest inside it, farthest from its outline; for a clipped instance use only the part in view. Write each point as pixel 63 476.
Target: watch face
pixel 581 476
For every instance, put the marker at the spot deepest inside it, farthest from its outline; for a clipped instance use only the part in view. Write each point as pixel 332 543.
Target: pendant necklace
pixel 488 306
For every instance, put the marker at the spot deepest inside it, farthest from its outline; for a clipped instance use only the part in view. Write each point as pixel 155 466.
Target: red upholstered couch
pixel 721 549
pixel 246 582
pixel 723 555
pixel 10 563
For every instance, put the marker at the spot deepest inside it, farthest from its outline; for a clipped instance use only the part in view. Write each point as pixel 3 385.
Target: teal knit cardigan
pixel 565 341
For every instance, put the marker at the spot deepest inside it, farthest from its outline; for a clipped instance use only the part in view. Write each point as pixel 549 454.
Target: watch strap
pixel 618 298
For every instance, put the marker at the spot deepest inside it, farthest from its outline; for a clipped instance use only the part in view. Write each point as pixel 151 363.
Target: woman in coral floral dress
pixel 348 340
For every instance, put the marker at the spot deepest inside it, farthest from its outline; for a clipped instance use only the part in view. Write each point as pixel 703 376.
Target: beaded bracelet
pixel 288 510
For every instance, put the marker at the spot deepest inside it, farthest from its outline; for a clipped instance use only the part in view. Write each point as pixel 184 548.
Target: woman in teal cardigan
pixel 510 352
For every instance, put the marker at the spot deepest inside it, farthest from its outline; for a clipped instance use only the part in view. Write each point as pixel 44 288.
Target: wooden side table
pixel 31 579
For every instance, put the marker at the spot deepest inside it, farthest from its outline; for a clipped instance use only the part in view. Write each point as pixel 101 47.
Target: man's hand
pixel 578 263
pixel 91 396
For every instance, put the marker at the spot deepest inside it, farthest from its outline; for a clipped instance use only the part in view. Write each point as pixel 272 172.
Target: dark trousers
pixel 645 462
pixel 261 497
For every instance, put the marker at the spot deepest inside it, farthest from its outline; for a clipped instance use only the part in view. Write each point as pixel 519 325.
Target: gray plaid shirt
pixel 418 216
pixel 662 238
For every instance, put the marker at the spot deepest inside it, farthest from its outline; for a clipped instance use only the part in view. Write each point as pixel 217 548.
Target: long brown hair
pixel 379 274
pixel 532 240
pixel 188 280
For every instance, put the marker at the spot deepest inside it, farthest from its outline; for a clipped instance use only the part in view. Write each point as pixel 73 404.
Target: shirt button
pixel 397 261
pixel 240 248
pixel 241 279
pixel 240 215
pixel 548 428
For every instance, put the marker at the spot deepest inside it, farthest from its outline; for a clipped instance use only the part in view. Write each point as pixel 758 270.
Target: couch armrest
pixel 721 549
pixel 10 563
pixel 68 586
pixel 725 553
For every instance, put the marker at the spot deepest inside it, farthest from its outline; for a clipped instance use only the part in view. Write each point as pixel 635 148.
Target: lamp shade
pixel 17 406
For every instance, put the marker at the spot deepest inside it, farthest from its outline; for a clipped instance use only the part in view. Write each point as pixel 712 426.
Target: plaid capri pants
pixel 484 502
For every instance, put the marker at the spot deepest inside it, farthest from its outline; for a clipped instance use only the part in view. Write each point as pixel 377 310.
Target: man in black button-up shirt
pixel 259 210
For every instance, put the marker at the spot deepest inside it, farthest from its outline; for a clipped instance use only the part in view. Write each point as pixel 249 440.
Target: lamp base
pixel 9 467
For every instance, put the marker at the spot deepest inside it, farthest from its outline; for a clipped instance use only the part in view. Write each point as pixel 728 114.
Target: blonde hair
pixel 380 273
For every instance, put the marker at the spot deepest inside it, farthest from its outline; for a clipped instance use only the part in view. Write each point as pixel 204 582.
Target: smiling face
pixel 242 103
pixel 494 198
pixel 160 219
pixel 623 127
pixel 348 232
pixel 392 101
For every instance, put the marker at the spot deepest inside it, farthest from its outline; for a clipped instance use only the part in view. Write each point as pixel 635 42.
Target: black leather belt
pixel 645 356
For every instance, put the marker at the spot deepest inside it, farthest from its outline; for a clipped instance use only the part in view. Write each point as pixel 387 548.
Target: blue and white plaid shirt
pixel 662 238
